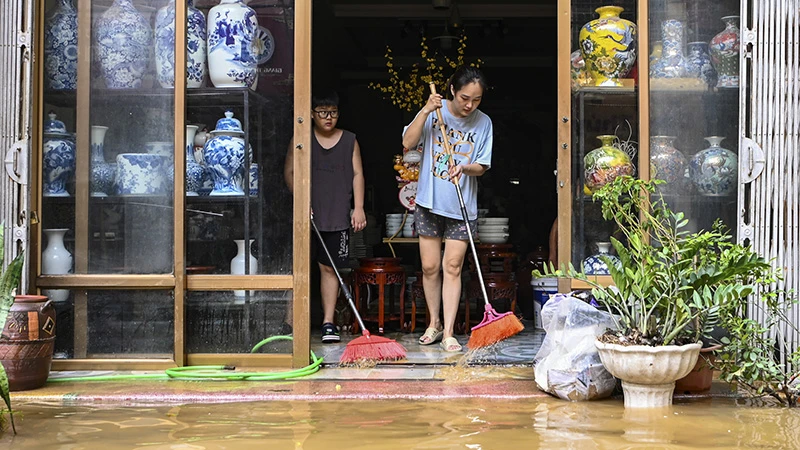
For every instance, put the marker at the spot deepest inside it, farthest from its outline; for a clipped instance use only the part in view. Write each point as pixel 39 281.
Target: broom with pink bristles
pixel 495 326
pixel 366 347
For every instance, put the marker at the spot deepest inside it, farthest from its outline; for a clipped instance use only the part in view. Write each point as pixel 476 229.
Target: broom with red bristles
pixel 366 347
pixel 495 326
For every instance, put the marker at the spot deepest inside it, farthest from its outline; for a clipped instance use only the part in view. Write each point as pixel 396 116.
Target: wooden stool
pixel 493 258
pixel 498 286
pixel 417 291
pixel 379 272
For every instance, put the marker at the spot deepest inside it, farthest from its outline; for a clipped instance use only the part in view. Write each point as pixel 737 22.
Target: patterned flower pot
pixel 608 45
pixel 27 342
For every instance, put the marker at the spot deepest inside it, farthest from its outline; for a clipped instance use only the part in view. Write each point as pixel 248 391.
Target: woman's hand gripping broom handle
pixel 450 163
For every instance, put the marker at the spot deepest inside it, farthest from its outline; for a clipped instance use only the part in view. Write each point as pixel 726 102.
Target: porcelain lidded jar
pixel 724 49
pixel 122 42
pixel 61 47
pixel 672 62
pixel 698 63
pixel 715 170
pixel 232 47
pixel 595 264
pixel 603 164
pixel 666 162
pixel 224 156
pixel 58 157
pixel 608 45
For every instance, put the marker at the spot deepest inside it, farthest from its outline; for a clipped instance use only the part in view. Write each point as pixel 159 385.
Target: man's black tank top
pixel 332 182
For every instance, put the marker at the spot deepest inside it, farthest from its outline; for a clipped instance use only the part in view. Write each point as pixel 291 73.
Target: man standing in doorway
pixel 336 179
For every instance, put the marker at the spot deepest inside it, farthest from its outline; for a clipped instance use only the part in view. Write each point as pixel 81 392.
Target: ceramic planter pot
pixel 648 373
pixel 702 374
pixel 27 342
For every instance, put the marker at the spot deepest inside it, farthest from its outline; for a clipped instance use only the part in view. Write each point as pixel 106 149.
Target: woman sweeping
pixel 438 216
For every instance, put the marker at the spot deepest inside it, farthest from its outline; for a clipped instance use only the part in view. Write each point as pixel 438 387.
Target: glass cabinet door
pixel 604 126
pixel 694 107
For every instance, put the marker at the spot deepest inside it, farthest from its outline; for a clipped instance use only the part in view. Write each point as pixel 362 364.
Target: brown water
pixel 465 424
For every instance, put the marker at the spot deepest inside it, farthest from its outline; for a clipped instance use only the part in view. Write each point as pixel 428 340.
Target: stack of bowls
pixel 493 230
pixel 393 224
pixel 409 230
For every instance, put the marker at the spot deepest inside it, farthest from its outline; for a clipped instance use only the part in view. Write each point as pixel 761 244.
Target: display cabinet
pixel 653 92
pixel 166 230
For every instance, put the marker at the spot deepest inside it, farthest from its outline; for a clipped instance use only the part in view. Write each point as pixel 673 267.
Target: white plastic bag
pixel 568 365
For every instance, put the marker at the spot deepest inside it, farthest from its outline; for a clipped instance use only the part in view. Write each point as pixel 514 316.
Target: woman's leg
pixel 454 251
pixel 430 252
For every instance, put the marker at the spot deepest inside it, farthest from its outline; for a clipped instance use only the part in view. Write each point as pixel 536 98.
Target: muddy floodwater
pixel 545 423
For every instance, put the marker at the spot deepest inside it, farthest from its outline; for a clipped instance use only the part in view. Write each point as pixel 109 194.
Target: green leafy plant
pixel 9 280
pixel 672 285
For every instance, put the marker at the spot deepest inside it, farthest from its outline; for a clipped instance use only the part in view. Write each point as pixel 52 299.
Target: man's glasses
pixel 326 114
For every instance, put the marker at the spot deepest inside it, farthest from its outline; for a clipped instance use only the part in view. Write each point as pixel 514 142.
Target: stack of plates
pixel 394 222
pixel 493 230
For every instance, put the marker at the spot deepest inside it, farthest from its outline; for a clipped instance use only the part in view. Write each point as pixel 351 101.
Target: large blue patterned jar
pixel 122 43
pixel 232 48
pixel 58 157
pixel 672 63
pixel 698 63
pixel 101 180
pixel 715 170
pixel 195 46
pixel 224 156
pixel 596 265
pixel 61 47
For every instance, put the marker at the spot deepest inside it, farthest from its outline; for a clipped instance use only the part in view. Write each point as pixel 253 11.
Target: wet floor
pixel 545 423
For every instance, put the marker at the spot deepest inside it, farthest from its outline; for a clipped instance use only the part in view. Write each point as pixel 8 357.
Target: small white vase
pixel 237 263
pixel 56 259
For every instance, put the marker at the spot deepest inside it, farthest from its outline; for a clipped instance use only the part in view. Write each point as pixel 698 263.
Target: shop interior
pixel 514 44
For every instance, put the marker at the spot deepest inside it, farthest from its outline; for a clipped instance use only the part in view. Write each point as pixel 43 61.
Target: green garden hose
pixel 222 373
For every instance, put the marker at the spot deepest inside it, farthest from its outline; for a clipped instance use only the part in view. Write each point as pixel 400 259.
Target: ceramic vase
pixel 140 174
pixel 56 260
pixel 698 63
pixel 672 63
pixel 232 51
pixel 61 47
pixel 238 261
pixel 253 179
pixel 224 156
pixel 595 264
pixel 196 67
pixel 666 162
pixel 608 45
pixel 194 171
pixel 122 45
pixel 58 157
pixel 714 170
pixel 655 52
pixel 195 46
pixel 101 181
pixel 603 164
pixel 724 49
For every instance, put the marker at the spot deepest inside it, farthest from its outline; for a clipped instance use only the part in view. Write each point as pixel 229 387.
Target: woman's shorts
pixel 433 225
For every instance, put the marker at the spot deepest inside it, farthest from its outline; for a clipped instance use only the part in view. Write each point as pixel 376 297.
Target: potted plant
pixel 9 280
pixel 669 291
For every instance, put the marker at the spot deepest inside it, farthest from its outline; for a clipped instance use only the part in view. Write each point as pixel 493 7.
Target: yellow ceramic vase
pixel 603 164
pixel 608 45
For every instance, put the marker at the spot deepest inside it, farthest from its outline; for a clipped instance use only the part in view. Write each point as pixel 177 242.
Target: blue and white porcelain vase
pixel 195 46
pixel 122 43
pixel 140 174
pixel 101 180
pixel 672 63
pixel 61 47
pixel 224 156
pixel 715 170
pixel 58 157
pixel 253 178
pixel 232 49
pixel 196 34
pixel 194 171
pixel 594 265
pixel 698 63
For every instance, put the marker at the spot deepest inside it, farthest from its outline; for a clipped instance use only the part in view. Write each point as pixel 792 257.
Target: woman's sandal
pixel 450 345
pixel 431 336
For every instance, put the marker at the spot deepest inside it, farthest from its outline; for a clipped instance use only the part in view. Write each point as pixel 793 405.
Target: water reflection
pixel 475 424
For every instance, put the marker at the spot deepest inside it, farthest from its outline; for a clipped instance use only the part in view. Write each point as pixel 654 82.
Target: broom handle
pixel 347 293
pixel 450 162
